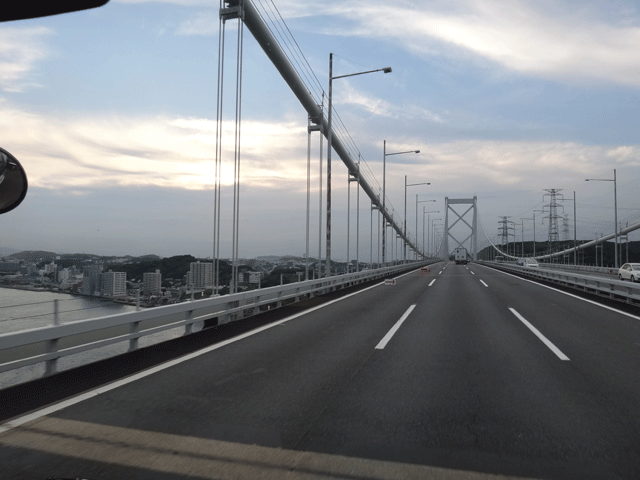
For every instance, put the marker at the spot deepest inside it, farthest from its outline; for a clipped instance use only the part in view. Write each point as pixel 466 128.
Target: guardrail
pixel 582 268
pixel 48 344
pixel 628 292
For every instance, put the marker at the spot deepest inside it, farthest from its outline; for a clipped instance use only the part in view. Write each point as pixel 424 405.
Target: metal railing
pixel 48 344
pixel 582 268
pixel 626 291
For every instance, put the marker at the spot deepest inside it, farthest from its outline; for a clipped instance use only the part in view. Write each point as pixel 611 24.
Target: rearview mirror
pixel 13 182
pixel 36 8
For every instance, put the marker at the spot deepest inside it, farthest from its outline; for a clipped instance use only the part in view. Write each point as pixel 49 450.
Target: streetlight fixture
pixel 384 194
pixel 329 134
pixel 615 209
pixel 404 257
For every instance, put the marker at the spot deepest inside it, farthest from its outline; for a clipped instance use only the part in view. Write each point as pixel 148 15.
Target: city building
pixel 29 269
pixel 91 279
pixel 113 284
pixel 63 275
pixel 250 277
pixel 9 267
pixel 200 274
pixel 151 283
pixel 51 268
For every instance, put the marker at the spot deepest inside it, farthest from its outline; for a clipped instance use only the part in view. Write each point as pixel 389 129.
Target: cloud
pixel 79 153
pixel 20 50
pixel 99 151
pixel 384 108
pixel 524 165
pixel 541 39
pixel 569 42
pixel 203 23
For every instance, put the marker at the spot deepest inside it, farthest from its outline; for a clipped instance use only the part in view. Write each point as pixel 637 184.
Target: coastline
pixel 31 288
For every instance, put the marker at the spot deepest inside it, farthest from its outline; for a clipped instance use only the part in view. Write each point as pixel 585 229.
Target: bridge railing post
pixel 56 312
pixel 51 365
pixel 134 327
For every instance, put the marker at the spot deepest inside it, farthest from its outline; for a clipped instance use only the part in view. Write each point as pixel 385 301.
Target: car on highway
pixel 629 271
pixel 530 263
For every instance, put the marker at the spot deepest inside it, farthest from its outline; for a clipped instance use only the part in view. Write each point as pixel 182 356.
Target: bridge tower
pixel 473 226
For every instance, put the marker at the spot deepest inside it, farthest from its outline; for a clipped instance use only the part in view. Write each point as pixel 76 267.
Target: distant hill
pixel 68 259
pixel 268 258
pixel 275 258
pixel 34 256
pixel 144 258
pixel 4 251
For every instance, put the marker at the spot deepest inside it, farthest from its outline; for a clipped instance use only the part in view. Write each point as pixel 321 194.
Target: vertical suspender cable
pixel 348 215
pixel 236 169
pixel 371 237
pixel 378 239
pixel 218 158
pixel 306 256
pixel 320 193
pixel 358 220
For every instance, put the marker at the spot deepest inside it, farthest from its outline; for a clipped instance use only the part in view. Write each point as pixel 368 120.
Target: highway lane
pixel 481 391
pixel 462 383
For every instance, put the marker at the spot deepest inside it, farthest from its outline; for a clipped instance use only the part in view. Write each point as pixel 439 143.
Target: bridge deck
pixel 464 384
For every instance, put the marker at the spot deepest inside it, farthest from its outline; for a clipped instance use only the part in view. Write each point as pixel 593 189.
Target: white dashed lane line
pixel 537 333
pixel 394 329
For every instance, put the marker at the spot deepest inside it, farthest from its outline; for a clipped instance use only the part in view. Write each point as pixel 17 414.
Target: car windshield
pixel 193 288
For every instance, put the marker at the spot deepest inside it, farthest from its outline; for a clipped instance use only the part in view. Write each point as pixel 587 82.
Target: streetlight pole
pixel 428 213
pixel 436 235
pixel 433 240
pixel 575 235
pixel 404 258
pixel 417 202
pixel 575 231
pixel 534 234
pixel 329 134
pixel 522 237
pixel 615 210
pixel 384 195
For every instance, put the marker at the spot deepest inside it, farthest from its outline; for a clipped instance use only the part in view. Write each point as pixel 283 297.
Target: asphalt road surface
pixel 465 372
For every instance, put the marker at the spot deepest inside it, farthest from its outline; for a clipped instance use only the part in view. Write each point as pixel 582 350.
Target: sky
pixel 112 113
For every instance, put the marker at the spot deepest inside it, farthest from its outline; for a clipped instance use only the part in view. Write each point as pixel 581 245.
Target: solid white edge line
pixel 432 282
pixel 568 294
pixel 483 283
pixel 544 339
pixel 16 422
pixel 394 329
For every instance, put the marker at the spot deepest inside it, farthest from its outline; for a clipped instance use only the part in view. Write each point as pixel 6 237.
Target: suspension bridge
pixel 408 366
